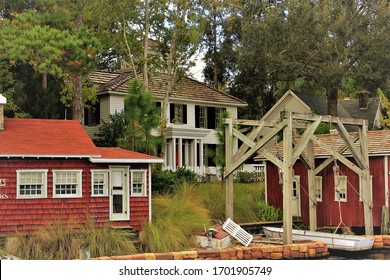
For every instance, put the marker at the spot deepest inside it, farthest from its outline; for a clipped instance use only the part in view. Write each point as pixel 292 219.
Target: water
pixel 374 254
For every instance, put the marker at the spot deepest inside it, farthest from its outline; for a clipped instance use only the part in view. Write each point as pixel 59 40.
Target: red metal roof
pixel 58 138
pixel 38 137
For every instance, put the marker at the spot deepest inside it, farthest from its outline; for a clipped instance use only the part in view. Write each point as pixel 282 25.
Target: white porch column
pixel 194 153
pixel 173 145
pixel 180 151
pixel 201 163
pixel 187 146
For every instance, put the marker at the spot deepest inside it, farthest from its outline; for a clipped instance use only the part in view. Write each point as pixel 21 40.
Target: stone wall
pixel 381 241
pixel 253 252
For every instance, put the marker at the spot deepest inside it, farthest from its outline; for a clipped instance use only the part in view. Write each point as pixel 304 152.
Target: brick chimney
pixel 363 99
pixel 3 101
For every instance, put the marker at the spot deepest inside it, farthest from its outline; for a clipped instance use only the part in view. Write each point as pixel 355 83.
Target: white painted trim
pixel 79 190
pixel 107 183
pixel 44 187
pixel 144 180
pixel 289 92
pixel 47 156
pixel 119 160
pixel 150 192
pixel 386 176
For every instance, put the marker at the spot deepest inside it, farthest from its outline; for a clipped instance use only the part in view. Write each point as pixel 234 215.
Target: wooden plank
pixel 325 118
pixel 229 169
pixel 246 140
pixel 366 183
pixel 331 158
pixel 228 162
pixel 287 182
pixel 385 220
pixel 275 160
pixel 355 152
pixel 338 156
pixel 252 136
pixel 298 149
pixel 311 186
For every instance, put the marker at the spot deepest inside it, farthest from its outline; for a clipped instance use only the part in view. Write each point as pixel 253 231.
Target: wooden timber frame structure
pixel 248 131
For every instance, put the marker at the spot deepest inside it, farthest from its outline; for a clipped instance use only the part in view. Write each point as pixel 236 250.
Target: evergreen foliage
pixel 141 117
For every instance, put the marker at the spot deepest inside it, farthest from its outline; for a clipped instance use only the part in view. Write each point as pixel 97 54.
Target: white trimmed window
pixel 202 117
pixel 340 189
pixel 318 188
pixel 67 183
pixel 99 183
pixel 218 116
pixel 178 113
pixel 138 183
pixel 31 184
pixel 360 188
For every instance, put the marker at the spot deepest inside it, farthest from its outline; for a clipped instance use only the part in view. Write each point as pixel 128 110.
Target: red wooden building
pixel 338 201
pixel 51 170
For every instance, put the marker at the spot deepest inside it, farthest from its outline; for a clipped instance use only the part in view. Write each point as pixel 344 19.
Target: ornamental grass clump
pixel 105 240
pixel 61 240
pixel 54 241
pixel 175 217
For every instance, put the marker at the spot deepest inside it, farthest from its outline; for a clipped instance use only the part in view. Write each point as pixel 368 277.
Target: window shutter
pixel 211 117
pixel 97 113
pixel 86 115
pixel 171 112
pixel 197 116
pixel 184 114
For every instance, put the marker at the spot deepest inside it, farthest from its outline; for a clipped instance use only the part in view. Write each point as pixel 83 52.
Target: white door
pixel 296 198
pixel 119 194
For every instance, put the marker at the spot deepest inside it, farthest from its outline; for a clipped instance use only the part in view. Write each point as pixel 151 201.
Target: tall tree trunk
pixel 215 48
pixel 332 102
pixel 77 84
pixel 180 12
pixel 44 80
pixel 77 99
pixel 128 48
pixel 146 40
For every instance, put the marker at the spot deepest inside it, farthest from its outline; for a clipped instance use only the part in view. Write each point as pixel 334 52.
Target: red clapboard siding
pixel 27 215
pixel 328 211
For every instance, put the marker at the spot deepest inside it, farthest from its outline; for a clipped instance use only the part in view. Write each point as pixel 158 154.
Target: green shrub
pixel 266 212
pixel 248 177
pixel 164 181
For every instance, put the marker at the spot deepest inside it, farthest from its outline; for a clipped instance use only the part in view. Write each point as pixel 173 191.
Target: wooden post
pixel 85 253
pixel 287 182
pixel 311 186
pixel 365 181
pixel 385 220
pixel 228 163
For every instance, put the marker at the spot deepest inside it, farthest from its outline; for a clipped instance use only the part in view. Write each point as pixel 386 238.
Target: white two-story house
pixel 194 114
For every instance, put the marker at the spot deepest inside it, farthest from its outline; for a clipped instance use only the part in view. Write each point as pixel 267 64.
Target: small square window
pixel 318 188
pixel 341 188
pixel 67 183
pixel 99 183
pixel 138 183
pixel 31 184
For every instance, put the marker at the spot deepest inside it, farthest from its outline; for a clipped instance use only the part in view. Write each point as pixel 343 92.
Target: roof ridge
pixel 217 90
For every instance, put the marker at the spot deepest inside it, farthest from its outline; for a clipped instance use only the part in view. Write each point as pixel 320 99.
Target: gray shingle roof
pixel 186 88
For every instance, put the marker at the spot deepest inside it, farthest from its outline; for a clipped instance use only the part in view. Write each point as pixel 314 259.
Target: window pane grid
pixel 31 183
pixel 138 184
pixel 202 117
pixel 67 183
pixel 99 183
